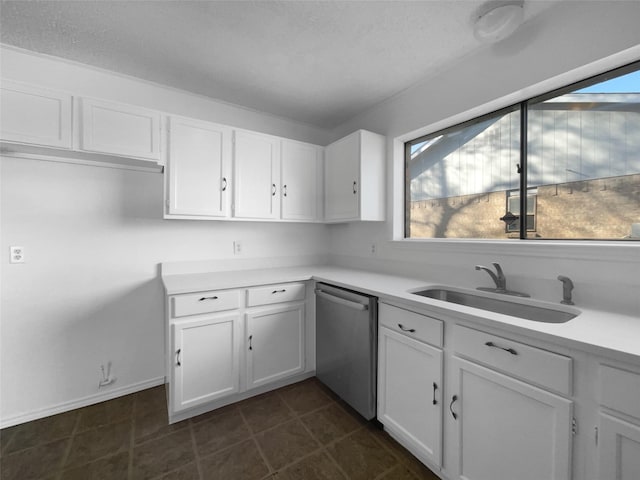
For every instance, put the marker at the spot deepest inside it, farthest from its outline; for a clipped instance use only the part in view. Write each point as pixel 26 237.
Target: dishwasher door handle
pixel 341 301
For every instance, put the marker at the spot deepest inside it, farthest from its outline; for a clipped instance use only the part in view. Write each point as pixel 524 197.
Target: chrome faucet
pixel 499 279
pixel 567 287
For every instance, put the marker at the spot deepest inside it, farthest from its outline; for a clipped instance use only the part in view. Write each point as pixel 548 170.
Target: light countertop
pixel 598 332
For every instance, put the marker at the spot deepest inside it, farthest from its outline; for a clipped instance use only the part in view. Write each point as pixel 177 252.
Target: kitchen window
pixel 575 152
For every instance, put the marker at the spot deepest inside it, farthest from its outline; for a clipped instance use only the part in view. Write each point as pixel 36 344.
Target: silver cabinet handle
pixel 278 291
pixel 178 363
pixel 207 298
pixel 410 330
pixel 435 387
pixel 224 184
pixel 250 339
pixel 273 189
pixel 284 190
pixel 355 187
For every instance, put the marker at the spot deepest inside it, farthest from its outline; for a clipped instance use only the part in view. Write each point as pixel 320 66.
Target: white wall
pixel 89 291
pixel 569 42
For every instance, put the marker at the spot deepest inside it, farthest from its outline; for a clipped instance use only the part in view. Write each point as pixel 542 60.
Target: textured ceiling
pixel 319 62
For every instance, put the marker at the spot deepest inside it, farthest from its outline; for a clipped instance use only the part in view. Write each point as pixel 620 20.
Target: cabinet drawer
pixel 547 369
pixel 412 324
pixel 620 390
pixel 204 302
pixel 286 292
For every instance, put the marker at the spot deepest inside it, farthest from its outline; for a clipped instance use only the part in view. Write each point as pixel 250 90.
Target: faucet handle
pixel 567 287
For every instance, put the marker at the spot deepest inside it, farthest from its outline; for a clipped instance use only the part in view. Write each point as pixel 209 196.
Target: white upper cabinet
pixel 301 181
pixel 35 115
pixel 256 171
pixel 198 166
pixel 354 178
pixel 118 129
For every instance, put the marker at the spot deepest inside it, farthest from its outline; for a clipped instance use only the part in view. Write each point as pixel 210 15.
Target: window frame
pixel 523 106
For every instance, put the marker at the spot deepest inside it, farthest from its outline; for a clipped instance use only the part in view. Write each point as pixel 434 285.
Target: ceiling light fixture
pixel 498 21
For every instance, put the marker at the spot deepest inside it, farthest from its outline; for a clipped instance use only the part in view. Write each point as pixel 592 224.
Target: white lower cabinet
pixel 508 429
pixel 275 343
pixel 619 448
pixel 618 438
pixel 227 345
pixel 505 413
pixel 206 354
pixel 410 393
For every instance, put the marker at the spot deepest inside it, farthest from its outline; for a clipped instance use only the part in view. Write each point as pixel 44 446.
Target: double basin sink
pixel 496 304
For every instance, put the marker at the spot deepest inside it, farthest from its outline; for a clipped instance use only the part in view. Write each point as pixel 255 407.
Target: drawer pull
pixel 208 298
pixel 493 345
pixel 453 400
pixel 278 291
pixel 410 330
pixel 250 338
pixel 435 387
pixel 178 363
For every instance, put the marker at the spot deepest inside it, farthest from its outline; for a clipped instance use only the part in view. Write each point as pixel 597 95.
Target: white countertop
pixel 610 334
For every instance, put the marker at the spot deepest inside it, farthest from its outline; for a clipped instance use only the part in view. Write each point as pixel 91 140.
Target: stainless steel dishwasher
pixel 346 345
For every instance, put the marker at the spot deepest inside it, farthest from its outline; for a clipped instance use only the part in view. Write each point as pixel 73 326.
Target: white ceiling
pixel 319 62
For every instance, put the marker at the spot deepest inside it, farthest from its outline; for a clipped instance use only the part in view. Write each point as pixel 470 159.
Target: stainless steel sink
pixel 499 305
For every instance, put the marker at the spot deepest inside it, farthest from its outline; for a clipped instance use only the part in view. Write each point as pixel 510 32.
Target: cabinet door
pixel 118 129
pixel 256 189
pixel 342 179
pixel 507 428
pixel 410 393
pixel 199 159
pixel 619 449
pixel 299 181
pixel 205 364
pixel 35 115
pixel 275 344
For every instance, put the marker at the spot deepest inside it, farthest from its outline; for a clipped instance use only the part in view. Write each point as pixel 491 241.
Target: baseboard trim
pixel 82 402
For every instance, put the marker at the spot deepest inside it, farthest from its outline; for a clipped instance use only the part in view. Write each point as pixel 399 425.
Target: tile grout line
pixel 252 436
pixel 67 452
pixel 132 437
pixel 335 441
pixel 323 448
pixel 194 445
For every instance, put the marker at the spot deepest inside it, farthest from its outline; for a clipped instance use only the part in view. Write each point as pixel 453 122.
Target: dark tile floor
pixel 298 432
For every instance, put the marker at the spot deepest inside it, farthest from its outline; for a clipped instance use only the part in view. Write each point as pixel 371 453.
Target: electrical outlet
pixel 237 247
pixel 17 255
